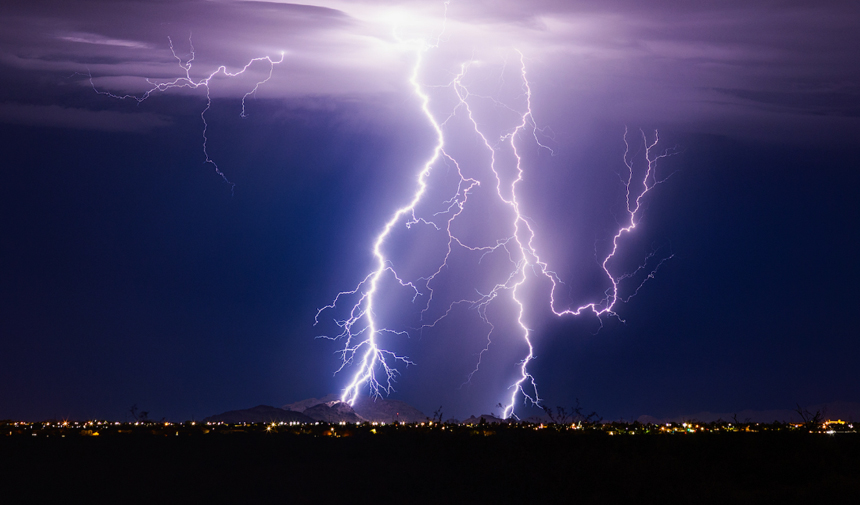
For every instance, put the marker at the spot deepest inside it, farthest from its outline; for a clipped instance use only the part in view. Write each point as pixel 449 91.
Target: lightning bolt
pixel 186 81
pixel 360 330
pixel 376 367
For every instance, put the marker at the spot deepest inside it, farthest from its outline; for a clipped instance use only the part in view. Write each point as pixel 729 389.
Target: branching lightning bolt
pixel 362 341
pixel 186 81
pixel 360 330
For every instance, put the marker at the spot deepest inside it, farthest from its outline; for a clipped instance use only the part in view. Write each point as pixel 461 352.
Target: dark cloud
pixel 138 31
pixel 80 119
pixel 840 102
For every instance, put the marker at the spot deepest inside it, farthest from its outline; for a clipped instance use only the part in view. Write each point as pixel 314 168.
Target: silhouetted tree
pixel 810 421
pixel 437 414
pixel 574 416
pixel 142 416
pixel 501 411
pixel 740 424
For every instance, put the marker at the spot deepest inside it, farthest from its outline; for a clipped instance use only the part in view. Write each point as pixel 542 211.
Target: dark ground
pixel 434 467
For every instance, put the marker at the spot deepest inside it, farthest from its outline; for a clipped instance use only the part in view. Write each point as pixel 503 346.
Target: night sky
pixel 133 274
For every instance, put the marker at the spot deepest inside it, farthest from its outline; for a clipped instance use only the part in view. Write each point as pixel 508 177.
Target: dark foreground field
pixel 412 466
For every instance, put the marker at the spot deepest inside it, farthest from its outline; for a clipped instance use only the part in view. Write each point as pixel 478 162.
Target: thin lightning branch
pixel 186 81
pixel 634 207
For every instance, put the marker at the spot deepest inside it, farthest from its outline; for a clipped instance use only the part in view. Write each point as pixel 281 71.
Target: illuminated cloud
pixel 739 68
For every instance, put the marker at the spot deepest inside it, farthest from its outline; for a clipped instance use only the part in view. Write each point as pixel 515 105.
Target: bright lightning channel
pixel 186 81
pixel 367 350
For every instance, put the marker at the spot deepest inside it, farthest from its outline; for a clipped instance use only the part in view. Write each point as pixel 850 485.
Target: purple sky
pixel 132 275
